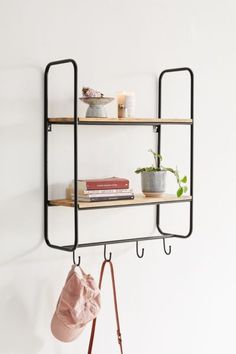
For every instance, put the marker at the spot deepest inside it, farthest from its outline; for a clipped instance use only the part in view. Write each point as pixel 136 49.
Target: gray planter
pixel 153 183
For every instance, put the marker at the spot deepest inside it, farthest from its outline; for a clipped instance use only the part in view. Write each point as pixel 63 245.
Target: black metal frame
pixel 191 148
pixel 47 128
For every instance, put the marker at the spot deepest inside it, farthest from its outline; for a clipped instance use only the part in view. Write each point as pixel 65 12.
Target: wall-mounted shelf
pixel 123 121
pixel 139 200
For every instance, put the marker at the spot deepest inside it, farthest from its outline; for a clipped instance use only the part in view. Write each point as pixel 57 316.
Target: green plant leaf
pixel 184 179
pixel 180 192
pixel 169 169
pixel 185 188
pixel 147 169
pixel 155 154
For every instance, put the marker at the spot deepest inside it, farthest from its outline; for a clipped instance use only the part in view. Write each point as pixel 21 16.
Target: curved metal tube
pixel 191 147
pixel 105 254
pixel 164 246
pixel 79 260
pixel 137 251
pixel 46 129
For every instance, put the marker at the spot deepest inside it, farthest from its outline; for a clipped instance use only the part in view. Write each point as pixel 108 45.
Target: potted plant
pixel 154 178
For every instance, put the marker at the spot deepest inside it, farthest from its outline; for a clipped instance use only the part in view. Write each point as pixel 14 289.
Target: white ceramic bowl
pixel 96 106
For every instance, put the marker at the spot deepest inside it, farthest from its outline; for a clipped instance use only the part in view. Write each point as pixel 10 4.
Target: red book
pixel 103 183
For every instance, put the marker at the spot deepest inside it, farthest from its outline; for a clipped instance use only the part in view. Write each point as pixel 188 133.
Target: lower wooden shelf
pixel 138 200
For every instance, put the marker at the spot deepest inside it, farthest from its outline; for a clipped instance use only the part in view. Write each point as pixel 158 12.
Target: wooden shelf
pixel 121 121
pixel 138 200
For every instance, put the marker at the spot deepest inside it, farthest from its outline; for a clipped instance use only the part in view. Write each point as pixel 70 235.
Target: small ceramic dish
pixel 96 107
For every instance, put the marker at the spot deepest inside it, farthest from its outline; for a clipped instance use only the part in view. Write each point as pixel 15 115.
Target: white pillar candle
pixel 128 100
pixel 130 104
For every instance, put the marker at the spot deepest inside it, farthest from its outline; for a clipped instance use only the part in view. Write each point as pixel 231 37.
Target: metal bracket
pixel 156 128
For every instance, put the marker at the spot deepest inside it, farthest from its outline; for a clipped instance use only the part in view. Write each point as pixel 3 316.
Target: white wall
pixel 184 303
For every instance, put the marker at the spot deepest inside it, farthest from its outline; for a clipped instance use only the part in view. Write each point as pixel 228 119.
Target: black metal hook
pixel 105 254
pixel 164 246
pixel 137 252
pixel 76 263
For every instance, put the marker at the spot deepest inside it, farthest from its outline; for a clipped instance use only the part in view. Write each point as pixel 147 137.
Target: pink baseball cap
pixel 78 304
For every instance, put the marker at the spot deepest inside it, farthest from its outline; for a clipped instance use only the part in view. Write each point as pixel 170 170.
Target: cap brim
pixel 62 332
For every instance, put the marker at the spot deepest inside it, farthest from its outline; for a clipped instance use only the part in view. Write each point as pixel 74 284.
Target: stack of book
pixel 95 190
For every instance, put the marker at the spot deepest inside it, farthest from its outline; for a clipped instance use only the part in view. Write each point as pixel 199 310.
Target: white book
pixel 102 195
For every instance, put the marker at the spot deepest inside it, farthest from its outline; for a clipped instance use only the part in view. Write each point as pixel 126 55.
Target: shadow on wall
pixel 20 338
pixel 22 234
pixel 21 156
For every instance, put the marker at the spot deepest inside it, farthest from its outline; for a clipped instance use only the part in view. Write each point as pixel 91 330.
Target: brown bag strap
pixel 115 304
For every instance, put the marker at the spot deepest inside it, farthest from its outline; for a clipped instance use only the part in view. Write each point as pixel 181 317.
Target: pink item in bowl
pixel 78 304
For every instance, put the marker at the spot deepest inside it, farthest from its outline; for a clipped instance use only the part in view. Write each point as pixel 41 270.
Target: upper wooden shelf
pixel 138 200
pixel 121 121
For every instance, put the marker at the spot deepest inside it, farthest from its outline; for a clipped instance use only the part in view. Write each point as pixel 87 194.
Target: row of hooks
pixel 139 254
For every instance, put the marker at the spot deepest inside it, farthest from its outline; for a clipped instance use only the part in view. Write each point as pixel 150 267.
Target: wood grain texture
pixel 138 200
pixel 117 121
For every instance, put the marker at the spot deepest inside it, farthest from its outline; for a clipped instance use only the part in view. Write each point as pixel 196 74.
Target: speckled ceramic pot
pixel 153 183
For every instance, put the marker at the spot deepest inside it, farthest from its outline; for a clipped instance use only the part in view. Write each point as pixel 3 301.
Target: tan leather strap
pixel 115 304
